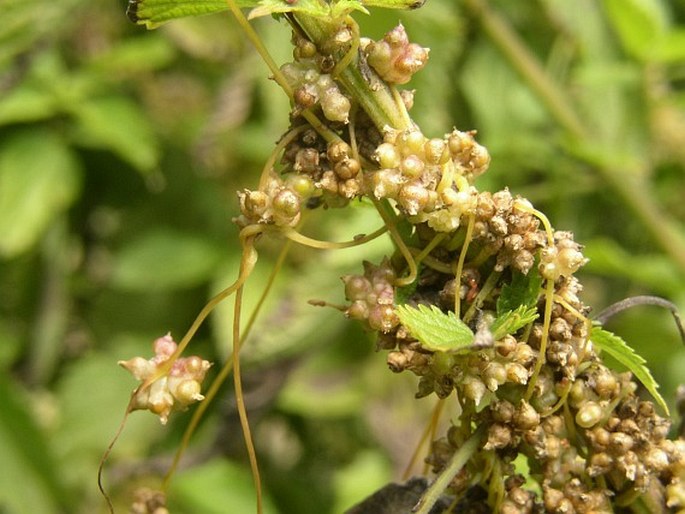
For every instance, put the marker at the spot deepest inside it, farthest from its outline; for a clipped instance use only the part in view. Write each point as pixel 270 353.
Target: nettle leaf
pixel 511 321
pixel 619 350
pixel 153 13
pixel 523 290
pixel 435 330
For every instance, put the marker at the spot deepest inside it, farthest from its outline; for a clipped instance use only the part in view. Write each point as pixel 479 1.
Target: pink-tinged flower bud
pixel 164 346
pixel 187 392
pixel 138 367
pixel 175 389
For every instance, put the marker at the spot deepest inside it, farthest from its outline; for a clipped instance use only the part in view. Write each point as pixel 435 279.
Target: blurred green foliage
pixel 120 154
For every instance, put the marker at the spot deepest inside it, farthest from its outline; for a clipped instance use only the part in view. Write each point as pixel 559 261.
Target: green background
pixel 121 151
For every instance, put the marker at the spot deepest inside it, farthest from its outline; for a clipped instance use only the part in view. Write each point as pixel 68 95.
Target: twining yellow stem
pixel 458 461
pixel 421 255
pixel 261 49
pixel 280 79
pixel 240 403
pixel 225 370
pixel 295 236
pixel 280 146
pixel 248 262
pixel 525 206
pixel 108 451
pixel 460 264
pixel 542 356
pixel 484 292
pixel 397 239
pixel 352 52
pixel 431 262
pixel 428 432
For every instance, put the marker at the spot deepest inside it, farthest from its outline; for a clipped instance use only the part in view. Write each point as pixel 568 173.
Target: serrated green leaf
pixel 523 290
pixel 39 179
pixel 153 13
pixel 435 330
pixel 511 321
pixel 619 350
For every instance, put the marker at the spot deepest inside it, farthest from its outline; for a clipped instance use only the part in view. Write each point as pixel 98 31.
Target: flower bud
pixel 387 156
pixel 335 105
pixel 589 414
pixel 411 166
pixel 383 318
pixel 413 197
pixel 526 417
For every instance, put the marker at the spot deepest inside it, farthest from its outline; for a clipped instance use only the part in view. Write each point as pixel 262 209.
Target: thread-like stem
pixel 225 370
pixel 369 91
pixel 458 461
pixel 460 264
pixel 296 237
pixel 240 403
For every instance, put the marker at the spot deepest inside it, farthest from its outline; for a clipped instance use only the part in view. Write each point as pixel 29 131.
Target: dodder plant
pixel 478 298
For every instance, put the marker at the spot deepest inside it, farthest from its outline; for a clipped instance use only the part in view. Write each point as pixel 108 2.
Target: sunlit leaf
pixel 624 354
pixel 39 179
pixel 435 330
pixel 671 48
pixel 640 24
pixel 511 321
pixel 653 270
pixel 215 487
pixel 117 124
pixel 163 260
pixel 26 103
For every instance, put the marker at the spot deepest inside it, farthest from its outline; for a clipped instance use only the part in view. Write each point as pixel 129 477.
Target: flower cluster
pixel 165 389
pixel 149 501
pixel 394 58
pixel 278 203
pixel 372 296
pixel 312 83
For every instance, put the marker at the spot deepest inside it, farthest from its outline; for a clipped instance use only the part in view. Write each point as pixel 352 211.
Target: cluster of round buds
pixel 428 178
pixel 311 87
pixel 394 58
pixel 343 179
pixel 149 501
pixel 507 231
pixel 563 259
pixel 372 295
pixel 174 390
pixel 628 442
pixel 279 203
